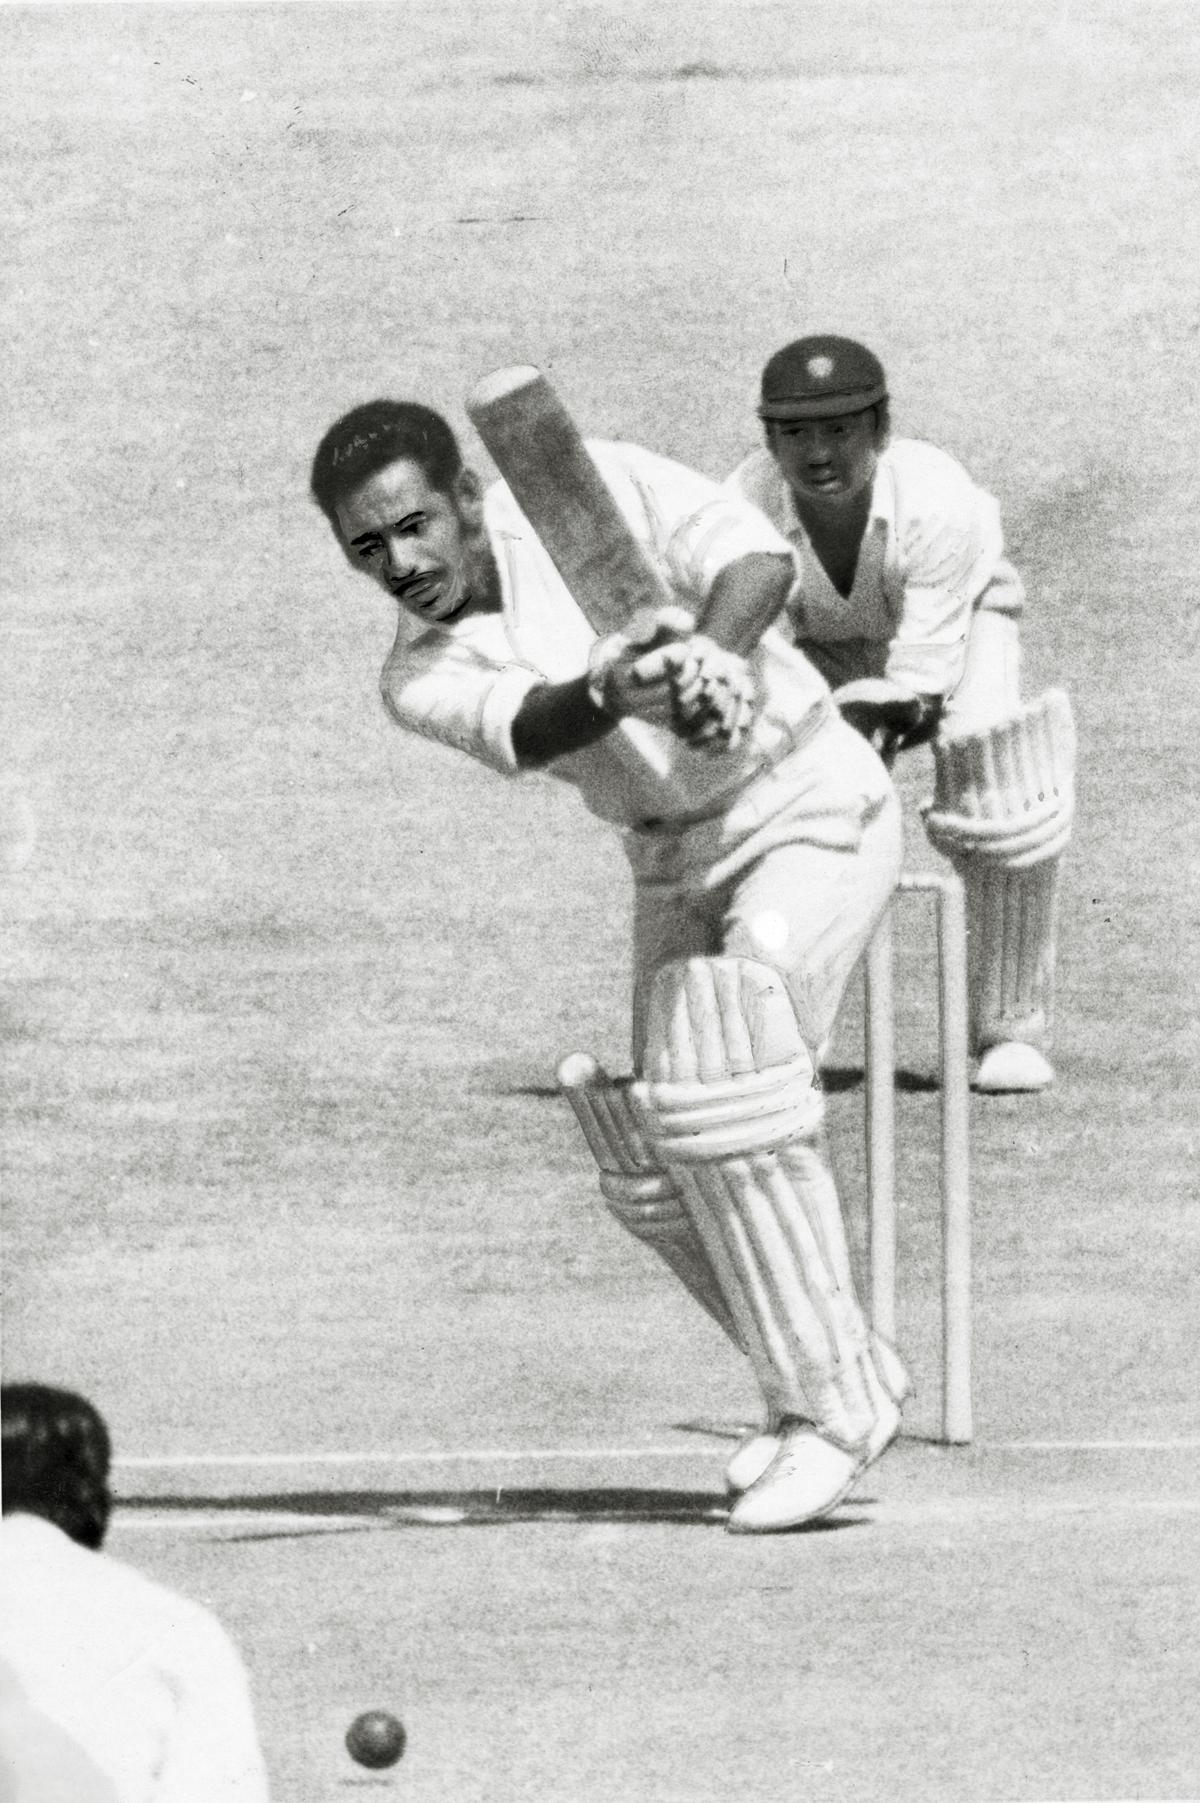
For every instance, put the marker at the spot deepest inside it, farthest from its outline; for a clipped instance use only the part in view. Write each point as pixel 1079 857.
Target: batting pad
pixel 729 1109
pixel 637 1192
pixel 1002 812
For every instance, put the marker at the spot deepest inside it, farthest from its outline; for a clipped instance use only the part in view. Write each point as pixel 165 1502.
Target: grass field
pixel 286 1190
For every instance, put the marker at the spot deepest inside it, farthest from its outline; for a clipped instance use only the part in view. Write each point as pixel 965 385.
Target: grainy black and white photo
pixel 598 981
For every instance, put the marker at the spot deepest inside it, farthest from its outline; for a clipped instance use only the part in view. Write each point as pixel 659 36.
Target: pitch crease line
pixel 477 1455
pixel 1183 1444
pixel 533 1455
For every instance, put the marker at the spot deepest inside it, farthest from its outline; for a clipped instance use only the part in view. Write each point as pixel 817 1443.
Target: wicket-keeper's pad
pixel 1002 812
pixel 639 1194
pixel 1006 796
pixel 728 1107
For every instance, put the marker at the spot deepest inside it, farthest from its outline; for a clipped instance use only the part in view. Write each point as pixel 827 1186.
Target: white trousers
pixel 796 876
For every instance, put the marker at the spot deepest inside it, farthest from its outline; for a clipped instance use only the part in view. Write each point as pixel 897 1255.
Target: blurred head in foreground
pixel 57 1455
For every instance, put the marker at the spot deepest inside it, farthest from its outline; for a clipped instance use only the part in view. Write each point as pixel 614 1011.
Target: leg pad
pixel 638 1192
pixel 729 1107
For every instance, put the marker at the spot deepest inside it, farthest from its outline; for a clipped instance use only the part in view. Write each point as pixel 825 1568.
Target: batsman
pixel 907 604
pixel 606 616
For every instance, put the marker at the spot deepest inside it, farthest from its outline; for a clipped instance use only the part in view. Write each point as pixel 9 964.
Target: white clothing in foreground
pixel 105 1673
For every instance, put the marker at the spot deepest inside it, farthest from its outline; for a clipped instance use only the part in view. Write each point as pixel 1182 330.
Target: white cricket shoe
pixel 807 1478
pixel 1014 1067
pixel 750 1461
pixel 756 1452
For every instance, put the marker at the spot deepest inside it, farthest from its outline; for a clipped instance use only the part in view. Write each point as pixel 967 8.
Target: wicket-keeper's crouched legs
pixel 1002 813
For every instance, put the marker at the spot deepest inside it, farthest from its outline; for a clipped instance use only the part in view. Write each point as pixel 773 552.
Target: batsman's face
pixel 428 549
pixel 826 459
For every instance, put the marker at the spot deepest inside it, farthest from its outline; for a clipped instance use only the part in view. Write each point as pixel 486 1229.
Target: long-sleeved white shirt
pixel 463 684
pixel 932 545
pixel 114 1689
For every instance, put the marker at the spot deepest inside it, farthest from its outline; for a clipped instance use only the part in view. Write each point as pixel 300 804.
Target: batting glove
pixel 629 672
pixel 714 694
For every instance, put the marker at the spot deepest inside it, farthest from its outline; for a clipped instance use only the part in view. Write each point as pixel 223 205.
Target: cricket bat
pixel 538 449
pixel 540 453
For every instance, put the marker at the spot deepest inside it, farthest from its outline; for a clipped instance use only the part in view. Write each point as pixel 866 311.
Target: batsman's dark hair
pixel 370 437
pixel 56 1455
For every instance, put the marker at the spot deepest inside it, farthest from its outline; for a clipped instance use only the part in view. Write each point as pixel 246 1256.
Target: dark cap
pixel 820 378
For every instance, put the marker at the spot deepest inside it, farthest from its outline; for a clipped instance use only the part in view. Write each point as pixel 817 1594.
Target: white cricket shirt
pixel 932 545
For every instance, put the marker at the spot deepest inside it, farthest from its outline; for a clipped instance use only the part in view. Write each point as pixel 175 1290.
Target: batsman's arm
pixel 556 718
pixel 746 597
pixel 505 715
pixel 510 717
pixel 630 675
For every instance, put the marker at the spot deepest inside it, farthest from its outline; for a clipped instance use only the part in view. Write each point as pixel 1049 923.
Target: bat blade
pixel 540 453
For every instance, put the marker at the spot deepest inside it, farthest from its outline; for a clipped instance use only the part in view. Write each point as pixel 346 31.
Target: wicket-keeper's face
pixel 826 459
pixel 427 548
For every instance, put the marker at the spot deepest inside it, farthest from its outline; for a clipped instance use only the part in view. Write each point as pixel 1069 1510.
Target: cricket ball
pixel 375 1739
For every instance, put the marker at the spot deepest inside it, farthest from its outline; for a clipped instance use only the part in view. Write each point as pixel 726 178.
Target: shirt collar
pixel 883 494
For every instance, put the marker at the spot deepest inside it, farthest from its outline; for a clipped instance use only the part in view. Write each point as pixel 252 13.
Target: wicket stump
pixel 880 1081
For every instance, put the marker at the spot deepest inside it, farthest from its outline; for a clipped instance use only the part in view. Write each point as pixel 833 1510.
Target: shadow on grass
pixel 496 1506
pixel 836 1078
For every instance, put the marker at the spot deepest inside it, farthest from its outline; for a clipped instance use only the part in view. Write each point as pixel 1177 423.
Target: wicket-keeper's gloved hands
pixel 891 718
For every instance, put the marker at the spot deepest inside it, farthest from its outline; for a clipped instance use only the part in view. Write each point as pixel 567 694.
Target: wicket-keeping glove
pixel 891 718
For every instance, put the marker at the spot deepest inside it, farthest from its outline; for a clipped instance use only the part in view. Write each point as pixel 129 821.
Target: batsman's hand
pixel 660 669
pixel 891 718
pixel 714 694
pixel 630 672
